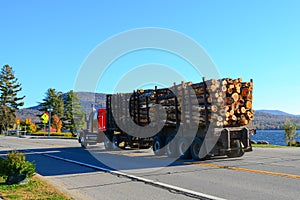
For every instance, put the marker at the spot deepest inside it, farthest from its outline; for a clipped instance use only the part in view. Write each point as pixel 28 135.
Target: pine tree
pixel 74 116
pixel 9 100
pixel 54 100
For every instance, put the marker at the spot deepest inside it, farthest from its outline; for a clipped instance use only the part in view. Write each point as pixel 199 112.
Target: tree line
pixel 66 111
pixel 66 114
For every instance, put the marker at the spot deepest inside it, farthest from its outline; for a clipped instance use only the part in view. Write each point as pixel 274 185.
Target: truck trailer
pixel 200 120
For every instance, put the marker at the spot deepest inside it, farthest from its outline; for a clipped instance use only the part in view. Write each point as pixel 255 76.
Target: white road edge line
pixel 164 185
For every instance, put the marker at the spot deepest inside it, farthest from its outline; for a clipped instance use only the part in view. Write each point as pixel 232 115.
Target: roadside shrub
pixel 15 164
pixel 41 133
pixel 2 167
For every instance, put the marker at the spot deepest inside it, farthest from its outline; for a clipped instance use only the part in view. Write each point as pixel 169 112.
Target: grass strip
pixel 35 189
pixel 270 146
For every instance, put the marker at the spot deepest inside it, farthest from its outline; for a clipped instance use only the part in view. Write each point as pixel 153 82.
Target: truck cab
pixel 96 127
pixel 101 118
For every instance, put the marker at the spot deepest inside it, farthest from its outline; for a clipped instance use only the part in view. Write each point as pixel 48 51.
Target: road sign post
pixel 18 124
pixel 50 109
pixel 45 120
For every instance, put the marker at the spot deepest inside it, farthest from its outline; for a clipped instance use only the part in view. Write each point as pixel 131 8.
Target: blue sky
pixel 46 42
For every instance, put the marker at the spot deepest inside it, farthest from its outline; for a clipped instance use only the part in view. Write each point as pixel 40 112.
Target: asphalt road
pixel 261 174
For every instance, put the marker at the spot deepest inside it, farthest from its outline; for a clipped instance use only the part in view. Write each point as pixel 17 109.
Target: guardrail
pixel 15 132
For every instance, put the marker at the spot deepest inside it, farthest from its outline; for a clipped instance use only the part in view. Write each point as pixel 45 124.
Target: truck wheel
pixel 195 149
pixel 183 148
pixel 83 142
pixel 236 144
pixel 107 144
pixel 171 147
pixel 158 146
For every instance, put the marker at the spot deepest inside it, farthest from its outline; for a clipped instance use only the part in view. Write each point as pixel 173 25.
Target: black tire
pixel 195 149
pixel 158 146
pixel 171 147
pixel 239 152
pixel 184 148
pixel 107 144
pixel 83 142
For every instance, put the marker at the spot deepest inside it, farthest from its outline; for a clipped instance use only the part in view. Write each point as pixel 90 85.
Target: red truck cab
pixel 101 117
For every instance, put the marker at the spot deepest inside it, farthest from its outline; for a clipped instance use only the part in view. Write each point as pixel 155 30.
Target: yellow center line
pixel 247 170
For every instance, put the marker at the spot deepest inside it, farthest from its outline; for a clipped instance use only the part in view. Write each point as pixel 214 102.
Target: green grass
pixel 35 189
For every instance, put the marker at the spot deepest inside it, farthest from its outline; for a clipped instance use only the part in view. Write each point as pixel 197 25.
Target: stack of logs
pixel 224 102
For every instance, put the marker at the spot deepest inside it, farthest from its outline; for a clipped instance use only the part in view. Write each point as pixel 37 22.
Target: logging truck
pixel 200 120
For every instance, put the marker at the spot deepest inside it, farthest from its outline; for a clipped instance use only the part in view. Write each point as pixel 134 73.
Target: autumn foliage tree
pixel 28 125
pixel 56 123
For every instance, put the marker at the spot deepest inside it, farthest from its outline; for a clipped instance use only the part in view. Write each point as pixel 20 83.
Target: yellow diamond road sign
pixel 45 118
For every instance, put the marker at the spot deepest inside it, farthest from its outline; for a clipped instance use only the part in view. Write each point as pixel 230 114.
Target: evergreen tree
pixel 54 100
pixel 74 116
pixel 9 100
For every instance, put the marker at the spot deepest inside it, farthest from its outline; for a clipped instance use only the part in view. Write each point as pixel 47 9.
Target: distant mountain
pixel 33 114
pixel 273 119
pixel 86 99
pixel 38 107
pixel 277 112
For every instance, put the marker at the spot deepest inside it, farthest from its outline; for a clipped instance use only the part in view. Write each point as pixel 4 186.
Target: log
pixel 243 110
pixel 214 108
pixel 233 117
pixel 248 104
pixel 245 92
pixel 229 102
pixel 227 115
pixel 229 80
pixel 212 88
pixel 224 88
pixel 222 112
pixel 229 91
pixel 237 89
pixel 249 97
pixel 220 100
pixel 224 82
pixel 231 86
pixel 241 101
pixel 235 96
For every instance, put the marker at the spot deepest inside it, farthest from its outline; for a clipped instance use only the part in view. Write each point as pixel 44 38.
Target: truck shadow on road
pixel 75 160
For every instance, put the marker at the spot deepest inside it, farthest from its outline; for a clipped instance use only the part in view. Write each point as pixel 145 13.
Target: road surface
pixel 265 173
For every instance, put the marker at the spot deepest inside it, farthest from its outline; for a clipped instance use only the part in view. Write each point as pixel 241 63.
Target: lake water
pixel 272 136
